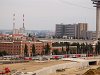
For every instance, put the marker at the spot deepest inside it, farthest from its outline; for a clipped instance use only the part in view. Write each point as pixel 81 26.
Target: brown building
pixel 17 47
pixel 39 47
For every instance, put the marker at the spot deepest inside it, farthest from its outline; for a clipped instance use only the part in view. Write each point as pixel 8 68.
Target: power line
pixel 73 4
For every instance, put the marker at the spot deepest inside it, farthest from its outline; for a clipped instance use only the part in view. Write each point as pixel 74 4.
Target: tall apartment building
pixel 67 30
pixel 81 30
pixel 72 30
pixel 59 30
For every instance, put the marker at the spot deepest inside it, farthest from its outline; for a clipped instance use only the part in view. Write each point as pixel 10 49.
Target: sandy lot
pixel 32 65
pixel 74 71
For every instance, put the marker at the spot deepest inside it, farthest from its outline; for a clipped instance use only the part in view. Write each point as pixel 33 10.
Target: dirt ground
pixel 31 66
pixel 74 71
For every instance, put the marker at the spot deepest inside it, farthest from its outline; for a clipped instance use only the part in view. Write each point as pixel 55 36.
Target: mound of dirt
pixel 93 72
pixel 98 68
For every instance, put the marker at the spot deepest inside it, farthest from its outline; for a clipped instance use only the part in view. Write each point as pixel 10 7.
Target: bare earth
pixel 31 66
pixel 74 71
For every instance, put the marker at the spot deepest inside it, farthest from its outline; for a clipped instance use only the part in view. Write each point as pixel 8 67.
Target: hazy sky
pixel 44 14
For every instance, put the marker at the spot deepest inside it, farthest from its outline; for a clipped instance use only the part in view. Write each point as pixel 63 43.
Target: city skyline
pixel 45 14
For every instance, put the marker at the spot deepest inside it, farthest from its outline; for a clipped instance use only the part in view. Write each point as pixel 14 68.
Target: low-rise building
pixel 17 47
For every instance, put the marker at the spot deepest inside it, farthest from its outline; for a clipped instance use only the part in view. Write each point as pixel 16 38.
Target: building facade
pixel 70 31
pixel 17 47
pixel 59 30
pixel 81 30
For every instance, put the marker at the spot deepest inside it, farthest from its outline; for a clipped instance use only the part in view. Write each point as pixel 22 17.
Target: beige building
pixel 72 31
pixel 81 30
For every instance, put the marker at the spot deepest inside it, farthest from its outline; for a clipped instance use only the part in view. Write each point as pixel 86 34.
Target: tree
pixel 2 53
pixel 86 51
pixel 26 51
pixel 47 49
pixel 73 49
pixel 90 49
pixel 97 48
pixel 67 44
pixel 78 48
pixel 29 35
pixel 33 50
pixel 56 44
pixel 74 44
pixel 82 48
pixel 56 52
pixel 61 44
pixel 63 51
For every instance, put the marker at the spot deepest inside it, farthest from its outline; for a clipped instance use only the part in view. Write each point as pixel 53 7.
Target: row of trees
pixel 46 50
pixel 26 50
pixel 75 48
